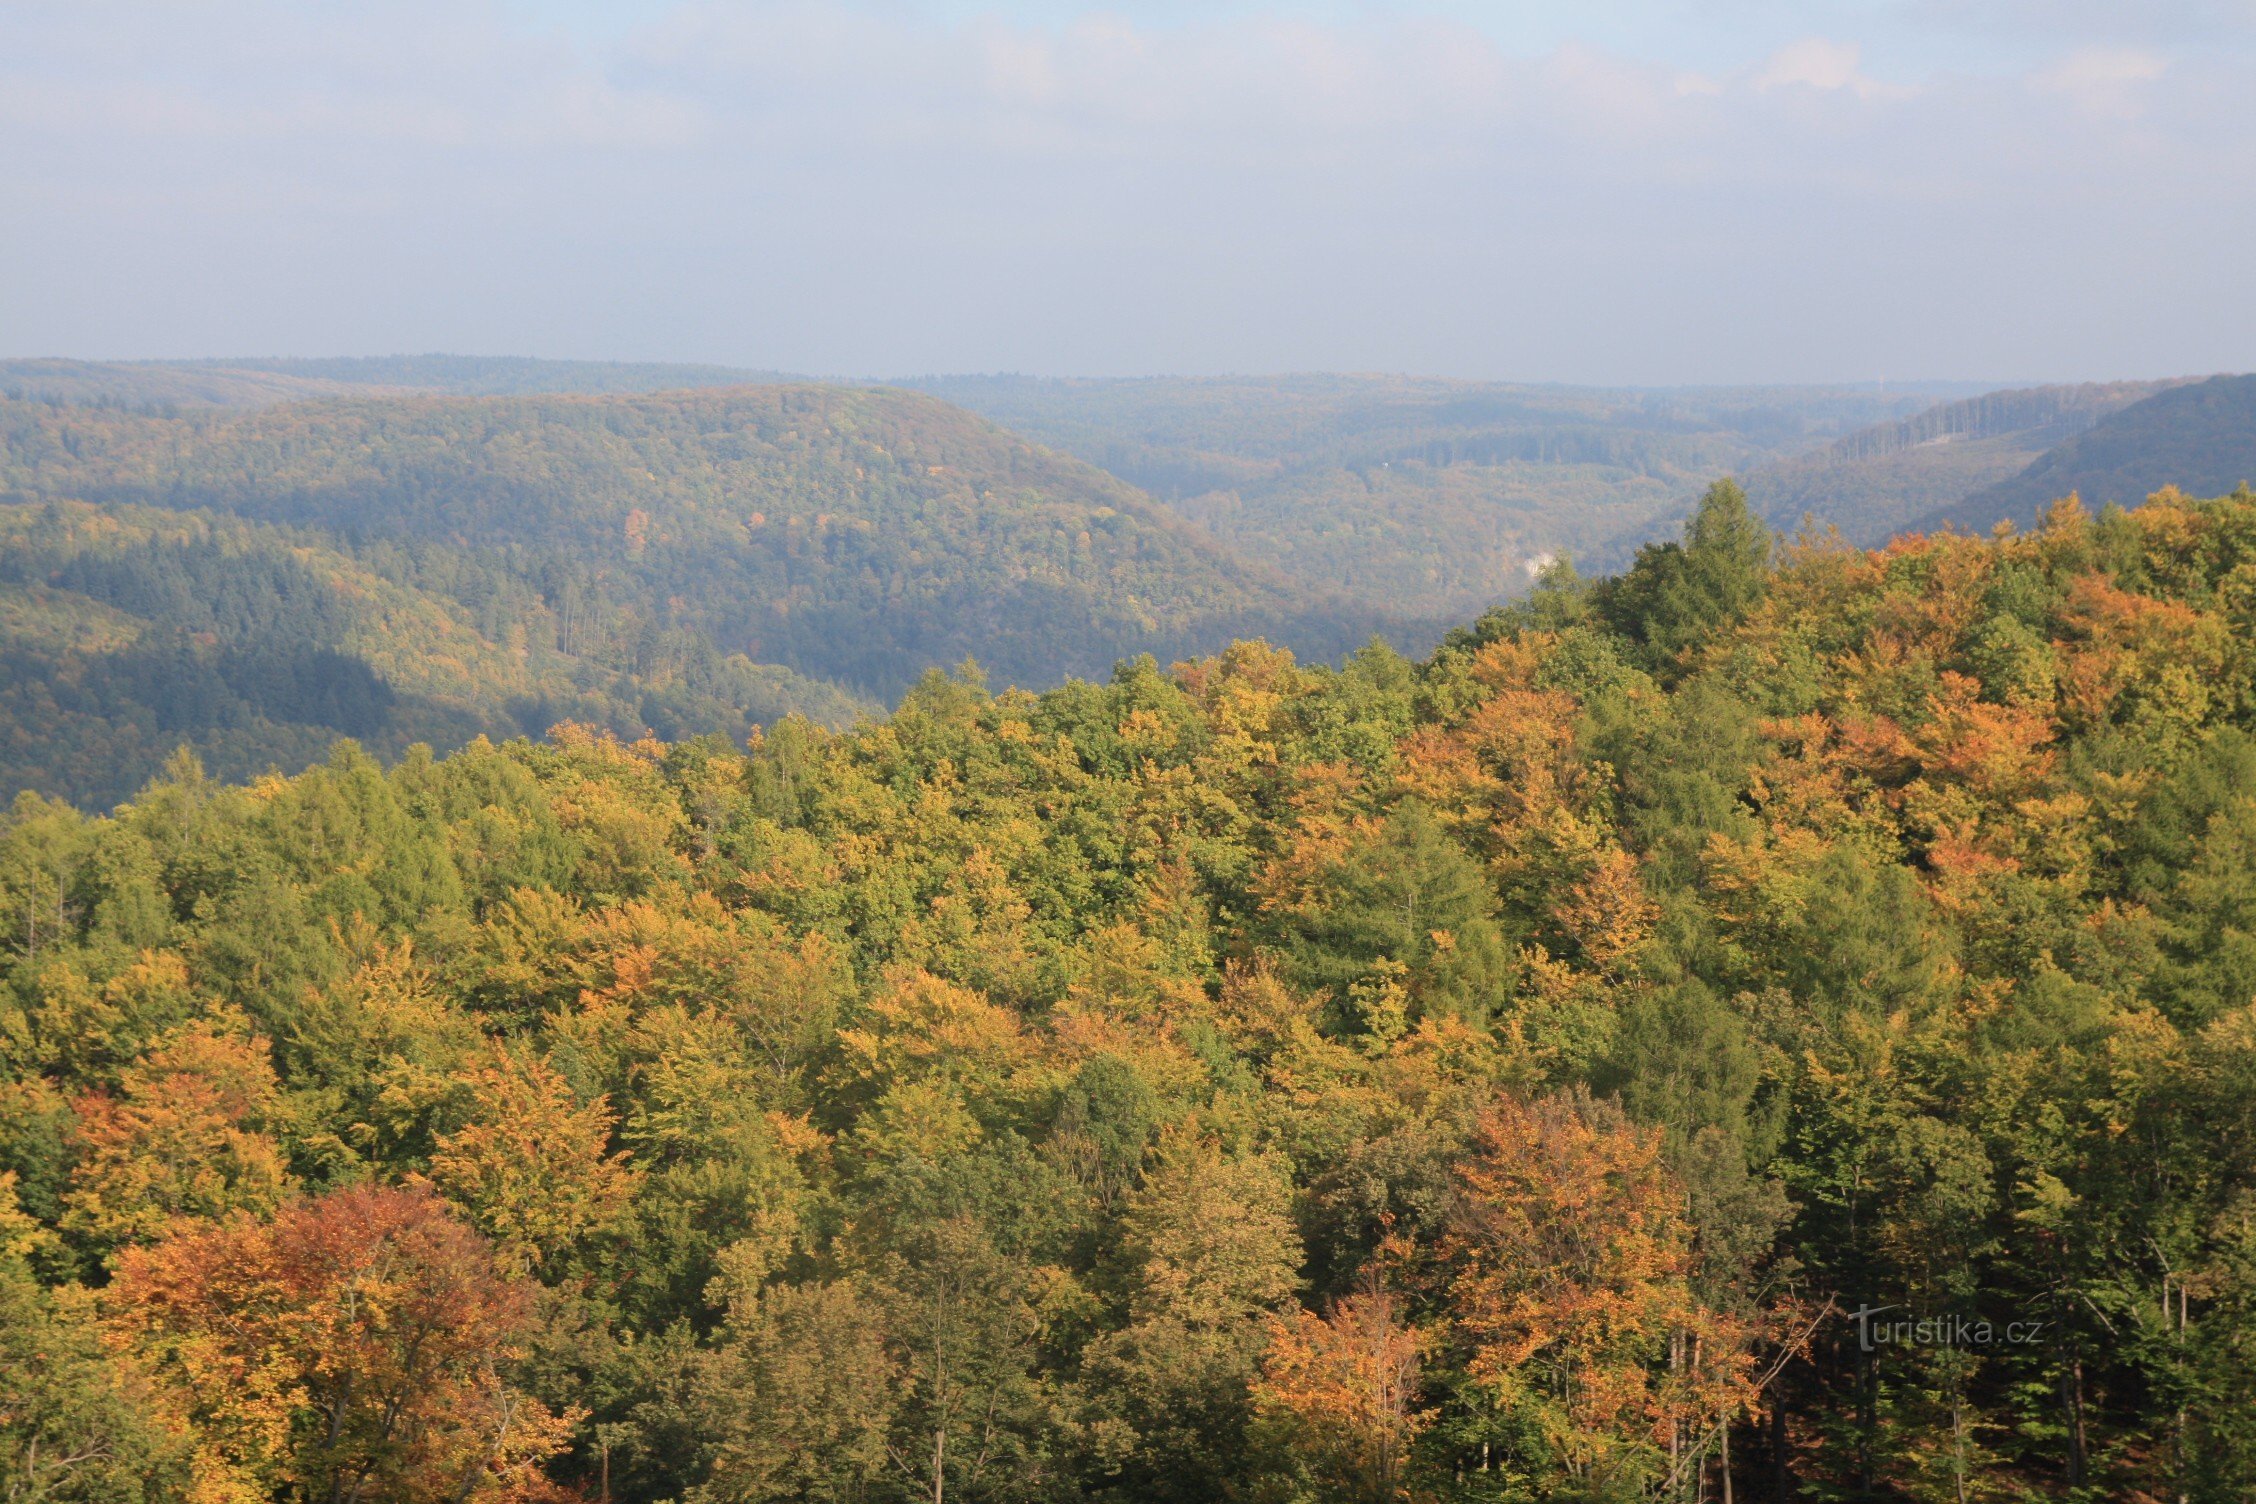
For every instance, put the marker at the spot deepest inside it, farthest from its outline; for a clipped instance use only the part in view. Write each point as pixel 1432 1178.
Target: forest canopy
pixel 1506 1075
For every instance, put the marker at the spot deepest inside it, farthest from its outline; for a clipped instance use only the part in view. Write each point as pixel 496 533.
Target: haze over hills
pixel 2199 436
pixel 148 386
pixel 858 535
pixel 684 562
pixel 1416 496
pixel 1873 483
pixel 263 381
pixel 128 631
pixel 665 547
pixel 1422 494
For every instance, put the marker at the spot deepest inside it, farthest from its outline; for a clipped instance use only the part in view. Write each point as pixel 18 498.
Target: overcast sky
pixel 1643 192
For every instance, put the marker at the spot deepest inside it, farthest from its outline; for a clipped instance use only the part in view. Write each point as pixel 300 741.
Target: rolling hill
pixel 855 535
pixel 1879 480
pixel 265 381
pixel 141 387
pixel 257 579
pixel 127 631
pixel 1419 497
pixel 1423 495
pixel 2198 436
pixel 490 375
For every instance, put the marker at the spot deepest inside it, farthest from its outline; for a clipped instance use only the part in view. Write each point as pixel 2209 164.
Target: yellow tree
pixel 1570 1288
pixel 190 1132
pixel 1339 1392
pixel 532 1166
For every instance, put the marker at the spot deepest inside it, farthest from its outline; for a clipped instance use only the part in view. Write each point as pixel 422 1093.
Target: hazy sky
pixel 1648 192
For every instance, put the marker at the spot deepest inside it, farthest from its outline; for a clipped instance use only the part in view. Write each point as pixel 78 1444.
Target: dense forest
pixel 1892 477
pixel 127 632
pixel 1422 495
pixel 852 535
pixel 2200 434
pixel 1775 1023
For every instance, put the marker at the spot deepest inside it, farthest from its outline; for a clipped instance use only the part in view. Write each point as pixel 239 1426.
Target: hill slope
pixel 1419 494
pixel 856 535
pixel 1873 483
pixel 262 382
pixel 2199 436
pixel 142 387
pixel 492 375
pixel 126 632
pixel 1414 496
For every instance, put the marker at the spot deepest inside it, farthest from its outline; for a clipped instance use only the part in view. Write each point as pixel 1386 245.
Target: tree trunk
pixel 1781 1467
pixel 2072 1401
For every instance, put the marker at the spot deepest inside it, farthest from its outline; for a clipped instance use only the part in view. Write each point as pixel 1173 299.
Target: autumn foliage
pixel 351 1349
pixel 1493 1078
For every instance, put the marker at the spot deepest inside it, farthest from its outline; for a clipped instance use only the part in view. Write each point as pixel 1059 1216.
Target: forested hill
pixel 490 375
pixel 171 384
pixel 2199 436
pixel 127 633
pixel 1880 480
pixel 1420 494
pixel 855 535
pixel 88 383
pixel 1515 1076
pixel 1421 497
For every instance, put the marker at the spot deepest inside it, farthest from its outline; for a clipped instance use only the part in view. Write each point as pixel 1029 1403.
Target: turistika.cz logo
pixel 1913 1330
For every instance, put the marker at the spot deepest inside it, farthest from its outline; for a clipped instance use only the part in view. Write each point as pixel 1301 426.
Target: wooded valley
pixel 1774 1023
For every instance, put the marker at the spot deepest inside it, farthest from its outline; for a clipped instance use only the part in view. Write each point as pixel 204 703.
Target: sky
pixel 1649 192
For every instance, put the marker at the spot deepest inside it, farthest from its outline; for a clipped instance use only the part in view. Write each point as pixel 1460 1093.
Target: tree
pixel 1393 909
pixel 533 1165
pixel 1678 595
pixel 962 1321
pixel 355 1349
pixel 1340 1393
pixel 189 1133
pixel 1206 1255
pixel 800 1399
pixel 1570 1288
pixel 79 1423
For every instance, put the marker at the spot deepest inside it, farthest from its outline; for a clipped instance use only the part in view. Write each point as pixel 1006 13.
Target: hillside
pixel 491 375
pixel 127 632
pixel 1514 1077
pixel 2199 436
pixel 1422 494
pixel 145 387
pixel 1873 483
pixel 262 382
pixel 855 535
pixel 1416 494
pixel 1414 497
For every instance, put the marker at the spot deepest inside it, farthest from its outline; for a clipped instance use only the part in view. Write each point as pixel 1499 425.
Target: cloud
pixel 1828 66
pixel 864 187
pixel 2110 82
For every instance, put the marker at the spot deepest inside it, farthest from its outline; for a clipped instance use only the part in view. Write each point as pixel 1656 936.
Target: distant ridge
pixel 500 375
pixel 2199 436
pixel 263 381
pixel 856 535
pixel 1879 480
pixel 158 388
pixel 1421 494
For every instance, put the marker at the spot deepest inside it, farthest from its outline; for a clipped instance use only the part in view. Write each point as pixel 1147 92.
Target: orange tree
pixel 354 1349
